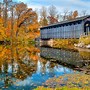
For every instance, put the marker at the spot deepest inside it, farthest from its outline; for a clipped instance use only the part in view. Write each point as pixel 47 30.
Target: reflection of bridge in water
pixel 71 58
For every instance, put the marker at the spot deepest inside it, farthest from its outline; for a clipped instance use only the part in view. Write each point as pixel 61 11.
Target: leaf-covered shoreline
pixel 67 82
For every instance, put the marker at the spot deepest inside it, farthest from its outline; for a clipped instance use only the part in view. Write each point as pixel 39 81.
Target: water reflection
pixel 21 67
pixel 84 53
pixel 71 58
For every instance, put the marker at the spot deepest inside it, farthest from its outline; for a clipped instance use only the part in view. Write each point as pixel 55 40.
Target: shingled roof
pixel 67 21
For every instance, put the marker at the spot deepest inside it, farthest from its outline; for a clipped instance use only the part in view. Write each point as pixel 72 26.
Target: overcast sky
pixel 60 4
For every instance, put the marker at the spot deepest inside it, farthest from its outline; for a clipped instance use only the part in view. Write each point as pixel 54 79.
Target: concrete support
pixel 46 42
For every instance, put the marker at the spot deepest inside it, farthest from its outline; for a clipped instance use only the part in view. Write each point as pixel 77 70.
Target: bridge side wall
pixel 64 31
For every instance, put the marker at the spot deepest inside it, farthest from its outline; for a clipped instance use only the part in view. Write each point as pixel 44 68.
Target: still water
pixel 26 67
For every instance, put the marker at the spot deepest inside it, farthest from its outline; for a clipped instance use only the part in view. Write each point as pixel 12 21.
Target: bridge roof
pixel 67 21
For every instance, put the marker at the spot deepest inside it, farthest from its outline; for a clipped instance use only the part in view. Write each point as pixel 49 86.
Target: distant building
pixel 67 29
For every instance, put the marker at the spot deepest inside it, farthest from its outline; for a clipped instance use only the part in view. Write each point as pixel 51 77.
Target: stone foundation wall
pixel 46 42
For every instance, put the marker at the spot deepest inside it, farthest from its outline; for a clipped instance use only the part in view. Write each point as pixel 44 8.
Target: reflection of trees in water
pixel 85 55
pixel 44 66
pixel 33 52
pixel 25 64
pixel 16 63
pixel 6 76
pixel 63 56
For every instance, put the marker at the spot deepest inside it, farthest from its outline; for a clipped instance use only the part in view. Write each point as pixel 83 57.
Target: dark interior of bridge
pixel 87 27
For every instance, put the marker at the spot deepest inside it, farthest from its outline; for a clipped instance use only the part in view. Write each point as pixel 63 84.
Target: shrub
pixel 85 39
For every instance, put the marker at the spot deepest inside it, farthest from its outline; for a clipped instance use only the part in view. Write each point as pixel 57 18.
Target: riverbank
pixel 63 88
pixel 84 42
pixel 67 82
pixel 67 44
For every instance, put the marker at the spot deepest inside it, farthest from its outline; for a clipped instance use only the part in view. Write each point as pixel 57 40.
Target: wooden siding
pixel 66 31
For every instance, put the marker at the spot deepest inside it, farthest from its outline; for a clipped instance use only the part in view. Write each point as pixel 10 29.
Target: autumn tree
pixel 33 26
pixel 25 16
pixel 2 28
pixel 53 16
pixel 65 14
pixel 72 15
pixel 17 18
pixel 68 15
pixel 75 14
pixel 43 16
pixel 20 9
pixel 5 17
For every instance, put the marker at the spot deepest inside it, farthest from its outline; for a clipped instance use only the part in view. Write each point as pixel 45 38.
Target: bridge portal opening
pixel 87 28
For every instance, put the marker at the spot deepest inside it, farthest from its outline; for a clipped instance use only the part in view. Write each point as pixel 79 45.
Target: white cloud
pixel 60 4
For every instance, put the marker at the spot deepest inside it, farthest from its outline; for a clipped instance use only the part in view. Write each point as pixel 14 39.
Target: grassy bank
pixel 65 43
pixel 61 88
pixel 85 39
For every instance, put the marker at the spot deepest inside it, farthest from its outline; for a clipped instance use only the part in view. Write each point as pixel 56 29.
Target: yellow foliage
pixel 25 25
pixel 85 55
pixel 85 39
pixel 33 26
pixel 2 30
pixel 60 88
pixel 71 81
pixel 64 43
pixel 2 35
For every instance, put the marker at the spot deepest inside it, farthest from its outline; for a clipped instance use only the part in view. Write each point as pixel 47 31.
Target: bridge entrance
pixel 87 27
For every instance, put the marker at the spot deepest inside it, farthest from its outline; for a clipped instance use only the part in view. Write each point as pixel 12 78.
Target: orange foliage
pixel 25 23
pixel 2 30
pixel 8 29
pixel 52 20
pixel 33 53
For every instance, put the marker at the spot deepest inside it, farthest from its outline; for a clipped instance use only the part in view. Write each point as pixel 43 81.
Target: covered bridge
pixel 66 29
